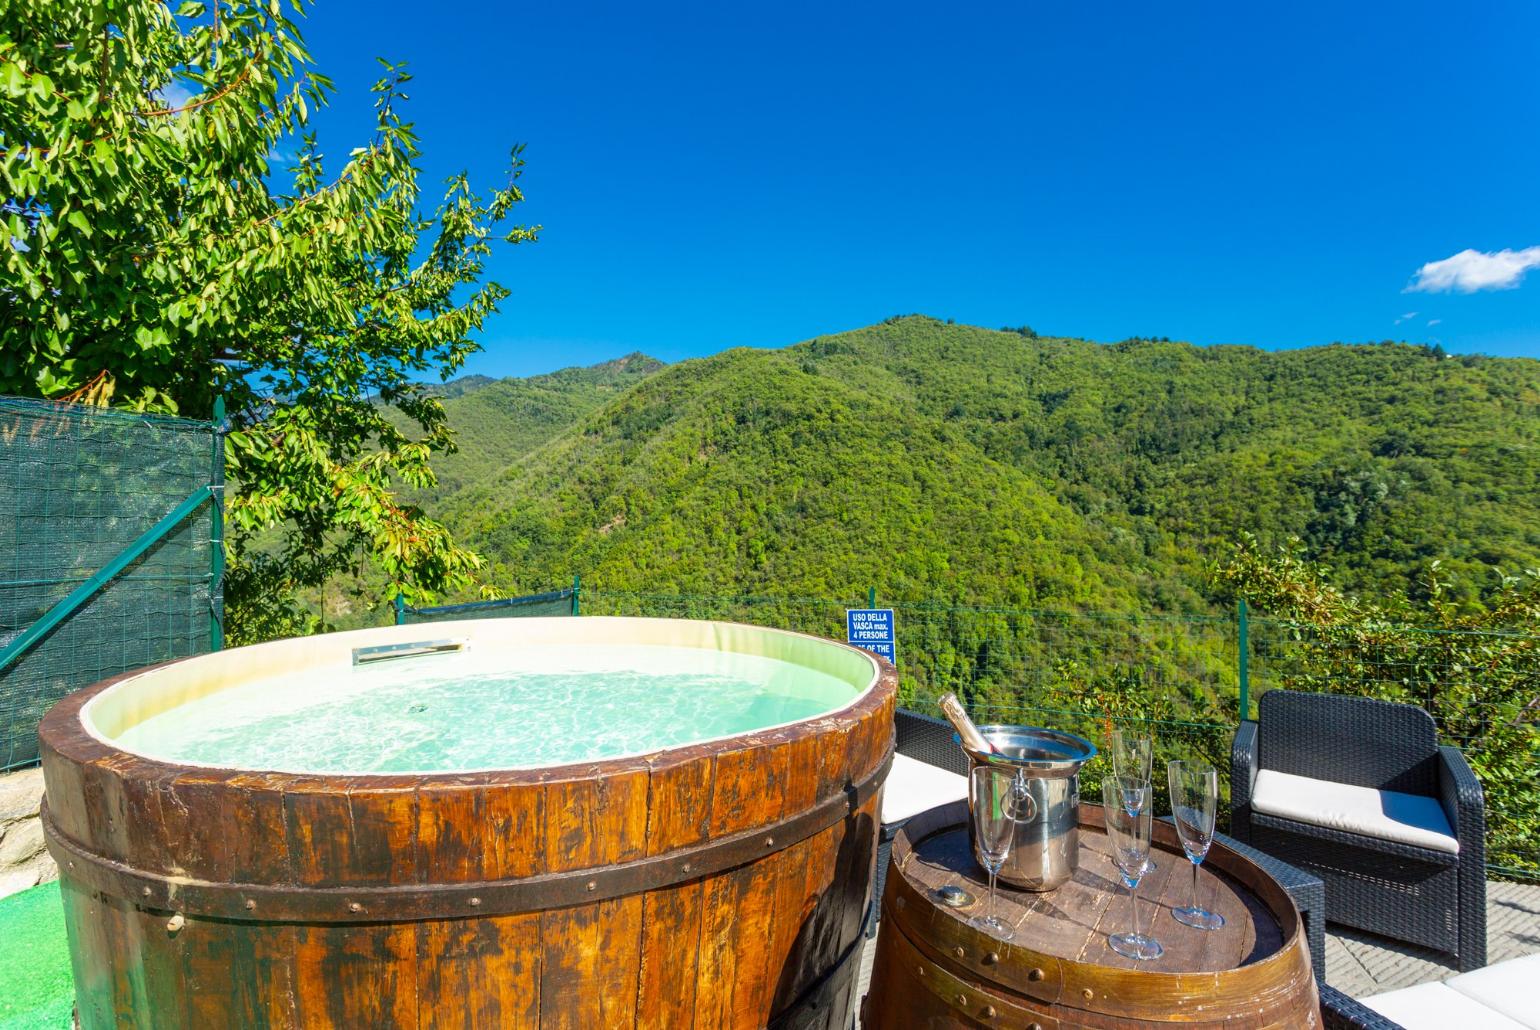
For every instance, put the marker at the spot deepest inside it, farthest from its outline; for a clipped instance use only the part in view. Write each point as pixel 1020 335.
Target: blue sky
pixel 726 174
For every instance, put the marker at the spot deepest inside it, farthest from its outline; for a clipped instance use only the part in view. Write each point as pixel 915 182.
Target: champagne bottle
pixel 972 739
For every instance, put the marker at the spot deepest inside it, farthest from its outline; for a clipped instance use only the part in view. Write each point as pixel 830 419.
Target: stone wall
pixel 23 860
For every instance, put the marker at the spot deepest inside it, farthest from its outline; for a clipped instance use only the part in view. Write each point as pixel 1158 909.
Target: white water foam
pixel 490 710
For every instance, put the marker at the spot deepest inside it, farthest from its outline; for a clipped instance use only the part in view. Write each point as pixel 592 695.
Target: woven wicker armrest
pixel 1464 803
pixel 1305 888
pixel 929 740
pixel 1339 1012
pixel 1244 759
pixel 1291 878
pixel 1465 807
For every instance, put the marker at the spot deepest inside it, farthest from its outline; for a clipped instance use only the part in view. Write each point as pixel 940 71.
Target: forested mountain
pixel 499 420
pixel 998 474
pixel 951 462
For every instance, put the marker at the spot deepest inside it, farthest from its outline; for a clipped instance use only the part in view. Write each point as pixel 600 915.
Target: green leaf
pixel 166 252
pixel 150 337
pixel 102 152
pixel 12 79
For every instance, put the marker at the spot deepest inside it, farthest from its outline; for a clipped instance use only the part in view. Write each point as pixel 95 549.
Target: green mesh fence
pixel 78 486
pixel 1081 672
pixel 1182 669
pixel 820 616
pixel 1180 678
pixel 557 602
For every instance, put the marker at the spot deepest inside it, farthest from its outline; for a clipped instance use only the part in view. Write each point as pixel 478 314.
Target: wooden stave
pixel 920 979
pixel 761 776
pixel 248 902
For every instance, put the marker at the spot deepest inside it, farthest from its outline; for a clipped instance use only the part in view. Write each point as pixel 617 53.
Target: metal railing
pixel 1189 678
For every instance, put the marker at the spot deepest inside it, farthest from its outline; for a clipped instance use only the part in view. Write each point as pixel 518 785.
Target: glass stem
pixel 1133 906
pixel 993 873
pixel 1194 904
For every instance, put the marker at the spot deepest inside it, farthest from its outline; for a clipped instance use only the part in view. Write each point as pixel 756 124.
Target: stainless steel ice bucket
pixel 1045 851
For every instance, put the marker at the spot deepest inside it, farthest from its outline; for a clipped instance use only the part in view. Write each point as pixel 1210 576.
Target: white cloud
pixel 1406 317
pixel 1434 321
pixel 1472 270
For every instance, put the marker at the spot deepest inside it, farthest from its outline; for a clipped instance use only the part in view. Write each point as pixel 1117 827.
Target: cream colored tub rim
pixel 160 689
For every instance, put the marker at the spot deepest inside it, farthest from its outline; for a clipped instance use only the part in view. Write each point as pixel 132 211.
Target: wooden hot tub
pixel 720 883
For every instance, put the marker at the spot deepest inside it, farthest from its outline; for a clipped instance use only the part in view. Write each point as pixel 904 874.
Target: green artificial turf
pixel 36 989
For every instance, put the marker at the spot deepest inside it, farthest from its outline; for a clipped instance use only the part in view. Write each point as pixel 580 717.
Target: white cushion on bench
pixel 914 787
pixel 1385 814
pixel 1512 988
pixel 1437 1006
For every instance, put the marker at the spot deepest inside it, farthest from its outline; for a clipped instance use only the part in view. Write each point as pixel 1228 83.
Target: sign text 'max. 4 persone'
pixel 872 629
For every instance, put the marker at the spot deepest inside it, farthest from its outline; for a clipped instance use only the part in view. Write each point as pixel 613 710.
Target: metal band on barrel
pixel 278 903
pixel 822 993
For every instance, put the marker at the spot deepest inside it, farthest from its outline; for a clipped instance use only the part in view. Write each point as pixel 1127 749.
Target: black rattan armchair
pixel 1407 891
pixel 1340 1012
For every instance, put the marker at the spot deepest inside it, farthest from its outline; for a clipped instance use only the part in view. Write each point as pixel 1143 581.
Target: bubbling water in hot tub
pixel 470 710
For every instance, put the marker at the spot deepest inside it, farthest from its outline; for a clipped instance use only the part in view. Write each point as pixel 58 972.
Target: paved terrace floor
pixel 1361 964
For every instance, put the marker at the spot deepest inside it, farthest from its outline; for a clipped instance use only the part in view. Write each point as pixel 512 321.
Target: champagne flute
pixel 1194 798
pixel 1131 757
pixel 1129 835
pixel 1000 799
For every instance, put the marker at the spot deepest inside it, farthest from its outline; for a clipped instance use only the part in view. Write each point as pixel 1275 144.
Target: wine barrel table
pixel 933 970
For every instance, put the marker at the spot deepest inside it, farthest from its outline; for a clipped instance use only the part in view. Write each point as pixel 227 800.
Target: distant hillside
pixel 745 473
pixel 458 387
pixel 498 420
pixel 943 461
pixel 937 460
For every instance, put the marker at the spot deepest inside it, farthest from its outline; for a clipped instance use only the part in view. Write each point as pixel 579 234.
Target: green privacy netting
pixel 79 485
pixel 557 602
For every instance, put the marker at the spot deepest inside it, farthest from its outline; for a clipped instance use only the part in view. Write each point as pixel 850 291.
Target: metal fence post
pixel 577 593
pixel 400 605
pixel 217 529
pixel 66 607
pixel 1243 656
pixel 871 597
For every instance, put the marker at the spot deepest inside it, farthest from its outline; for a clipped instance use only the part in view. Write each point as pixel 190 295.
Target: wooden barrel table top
pixel 1059 972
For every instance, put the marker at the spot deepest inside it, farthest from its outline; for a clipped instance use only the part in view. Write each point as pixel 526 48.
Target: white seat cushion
pixel 1512 988
pixel 1437 1006
pixel 914 787
pixel 1385 814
